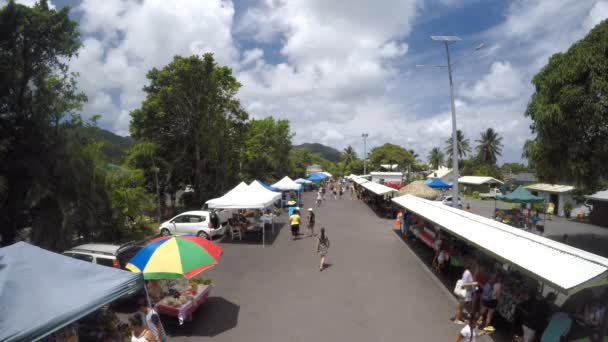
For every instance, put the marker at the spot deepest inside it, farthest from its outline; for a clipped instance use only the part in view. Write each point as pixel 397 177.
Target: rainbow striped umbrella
pixel 173 257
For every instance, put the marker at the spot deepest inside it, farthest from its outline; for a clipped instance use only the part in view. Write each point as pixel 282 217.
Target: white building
pixel 446 175
pixel 387 177
pixel 553 193
pixel 479 183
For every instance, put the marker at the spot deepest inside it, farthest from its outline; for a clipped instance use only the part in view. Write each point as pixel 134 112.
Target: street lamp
pixel 446 40
pixel 364 136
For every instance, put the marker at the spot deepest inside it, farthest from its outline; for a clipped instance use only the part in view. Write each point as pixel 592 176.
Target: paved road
pixel 375 289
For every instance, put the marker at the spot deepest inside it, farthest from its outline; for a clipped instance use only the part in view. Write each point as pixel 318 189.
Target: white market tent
pixel 302 181
pixel 478 180
pixel 378 188
pixel 326 173
pixel 286 184
pixel 224 200
pixel 560 266
pixel 359 180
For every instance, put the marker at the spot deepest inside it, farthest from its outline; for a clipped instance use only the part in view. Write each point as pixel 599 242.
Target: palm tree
pixel 349 155
pixel 435 158
pixel 462 146
pixel 490 146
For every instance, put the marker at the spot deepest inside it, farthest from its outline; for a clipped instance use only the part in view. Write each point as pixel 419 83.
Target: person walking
pixel 310 228
pixel 322 247
pixel 334 192
pixel 294 222
pixel 469 284
pixel 323 190
pixel 319 198
pixel 340 191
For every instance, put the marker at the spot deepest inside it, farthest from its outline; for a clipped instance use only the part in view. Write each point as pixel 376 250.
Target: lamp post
pixel 364 136
pixel 446 40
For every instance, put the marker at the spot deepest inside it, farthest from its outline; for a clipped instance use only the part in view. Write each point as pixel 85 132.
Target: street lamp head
pixel 446 38
pixel 364 135
pixel 480 46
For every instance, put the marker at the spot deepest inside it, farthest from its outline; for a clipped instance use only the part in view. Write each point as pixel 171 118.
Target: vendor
pixel 154 290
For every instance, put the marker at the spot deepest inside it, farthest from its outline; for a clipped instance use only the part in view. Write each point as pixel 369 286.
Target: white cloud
pixel 598 13
pixel 393 49
pixel 503 82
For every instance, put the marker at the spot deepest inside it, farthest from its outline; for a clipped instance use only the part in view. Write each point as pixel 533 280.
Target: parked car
pixel 492 194
pixel 116 256
pixel 193 222
pixel 448 201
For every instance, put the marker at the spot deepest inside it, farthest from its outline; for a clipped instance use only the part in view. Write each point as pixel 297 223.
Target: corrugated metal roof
pixel 441 172
pixel 358 180
pixel 550 187
pixel 377 188
pixel 380 173
pixel 599 196
pixel 563 267
pixel 478 180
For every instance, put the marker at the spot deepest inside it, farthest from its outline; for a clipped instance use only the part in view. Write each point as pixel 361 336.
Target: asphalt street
pixel 375 288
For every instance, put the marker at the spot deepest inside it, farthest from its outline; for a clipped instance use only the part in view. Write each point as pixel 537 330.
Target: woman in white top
pixel 139 332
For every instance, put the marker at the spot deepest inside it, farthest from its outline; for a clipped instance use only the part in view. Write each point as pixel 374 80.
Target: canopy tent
pixel 377 188
pixel 317 176
pixel 42 292
pixel 302 181
pixel 359 180
pixel 563 267
pixel 271 188
pixel 520 195
pixel 419 189
pixel 227 197
pixel 437 183
pixel 286 184
pixel 326 173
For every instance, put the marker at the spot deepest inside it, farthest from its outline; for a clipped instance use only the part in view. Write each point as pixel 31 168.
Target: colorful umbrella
pixel 173 257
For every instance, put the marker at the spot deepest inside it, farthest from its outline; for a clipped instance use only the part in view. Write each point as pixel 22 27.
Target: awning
pixel 560 266
pixel 520 195
pixel 437 183
pixel 302 181
pixel 377 188
pixel 359 180
pixel 42 292
pixel 478 180
pixel 317 176
pixel 254 196
pixel 557 188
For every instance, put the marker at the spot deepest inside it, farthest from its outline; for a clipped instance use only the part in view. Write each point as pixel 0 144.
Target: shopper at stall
pixel 470 332
pixel 152 320
pixel 469 284
pixel 139 332
pixel 322 247
pixel 490 298
pixel 536 314
pixel 310 227
pixel 319 198
pixel 294 222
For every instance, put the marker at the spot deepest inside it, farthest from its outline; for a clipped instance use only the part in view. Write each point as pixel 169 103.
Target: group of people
pixel 527 219
pixel 146 325
pixel 322 245
pixel 337 189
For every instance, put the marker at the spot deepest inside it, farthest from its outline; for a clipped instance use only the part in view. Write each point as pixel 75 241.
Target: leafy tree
pixel 462 146
pixel 299 159
pixel 489 146
pixel 569 113
pixel 435 158
pixel 43 164
pixel 267 144
pixel 192 115
pixel 349 155
pixel 488 170
pixel 514 168
pixel 391 154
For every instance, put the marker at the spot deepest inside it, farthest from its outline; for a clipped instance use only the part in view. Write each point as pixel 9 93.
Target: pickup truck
pixel 492 194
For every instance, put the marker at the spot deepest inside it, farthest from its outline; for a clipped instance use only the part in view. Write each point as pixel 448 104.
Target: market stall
pixel 67 289
pixel 287 185
pixel 378 196
pixel 516 217
pixel 172 260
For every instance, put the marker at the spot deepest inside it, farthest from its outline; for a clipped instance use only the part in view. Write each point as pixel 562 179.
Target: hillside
pixel 326 152
pixel 113 145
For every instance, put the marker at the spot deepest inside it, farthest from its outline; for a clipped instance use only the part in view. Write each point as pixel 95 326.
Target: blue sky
pixel 338 68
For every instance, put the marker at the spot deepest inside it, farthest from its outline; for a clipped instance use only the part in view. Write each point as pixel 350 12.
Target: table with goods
pixel 183 298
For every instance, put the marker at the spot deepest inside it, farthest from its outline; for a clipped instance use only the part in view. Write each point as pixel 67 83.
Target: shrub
pixel 568 208
pixel 476 194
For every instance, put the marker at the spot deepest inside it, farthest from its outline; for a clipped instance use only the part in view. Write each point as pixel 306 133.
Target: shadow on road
pixel 215 316
pixel 255 238
pixel 594 243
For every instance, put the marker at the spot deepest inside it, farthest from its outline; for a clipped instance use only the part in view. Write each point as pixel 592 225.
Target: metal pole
pixel 364 135
pixel 454 130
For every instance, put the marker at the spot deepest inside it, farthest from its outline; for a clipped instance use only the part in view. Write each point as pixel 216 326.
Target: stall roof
pixel 377 188
pixel 286 184
pixel 441 172
pixel 42 292
pixel 302 181
pixel 563 267
pixel 599 196
pixel 550 187
pixel 359 180
pixel 383 173
pixel 478 180
pixel 254 196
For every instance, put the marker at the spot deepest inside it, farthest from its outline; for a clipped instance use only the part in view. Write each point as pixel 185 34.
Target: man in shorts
pixel 469 284
pixel 294 222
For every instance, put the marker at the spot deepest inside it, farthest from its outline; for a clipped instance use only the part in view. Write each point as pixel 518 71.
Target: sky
pixel 339 68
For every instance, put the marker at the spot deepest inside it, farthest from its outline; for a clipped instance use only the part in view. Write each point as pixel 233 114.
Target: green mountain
pixel 326 152
pixel 113 146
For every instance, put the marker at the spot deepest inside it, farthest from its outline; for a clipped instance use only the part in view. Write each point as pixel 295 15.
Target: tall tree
pixel 462 146
pixel 569 113
pixel 42 162
pixel 489 146
pixel 435 158
pixel 192 115
pixel 349 155
pixel 391 154
pixel 267 144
